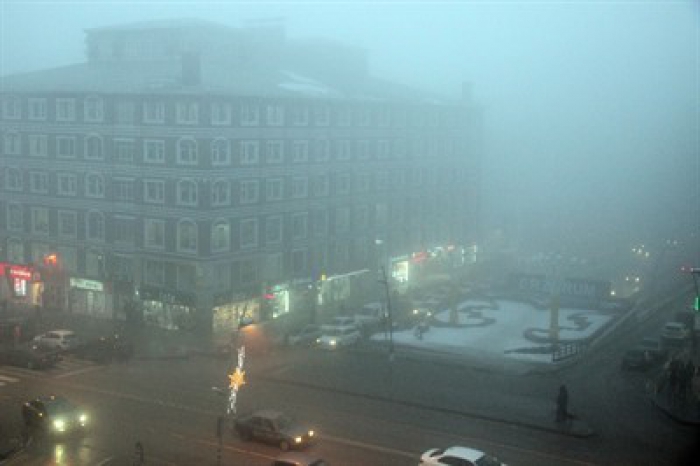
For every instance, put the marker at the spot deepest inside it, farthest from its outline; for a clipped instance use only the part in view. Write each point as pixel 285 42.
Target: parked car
pixel 296 458
pixel 30 356
pixel 57 339
pixel 675 332
pixel 340 321
pixel 106 349
pixel 274 427
pixel 656 348
pixel 53 415
pixel 637 358
pixel 458 456
pixel 336 337
pixel 306 335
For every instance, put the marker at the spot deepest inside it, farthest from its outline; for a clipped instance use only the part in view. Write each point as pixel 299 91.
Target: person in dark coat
pixel 562 404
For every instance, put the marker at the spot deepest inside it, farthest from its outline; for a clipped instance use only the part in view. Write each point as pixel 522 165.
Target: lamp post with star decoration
pixel 236 379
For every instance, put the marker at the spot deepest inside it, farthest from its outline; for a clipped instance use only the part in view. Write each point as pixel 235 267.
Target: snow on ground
pixel 501 330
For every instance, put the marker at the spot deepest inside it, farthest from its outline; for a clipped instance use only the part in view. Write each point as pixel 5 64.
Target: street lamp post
pixel 390 322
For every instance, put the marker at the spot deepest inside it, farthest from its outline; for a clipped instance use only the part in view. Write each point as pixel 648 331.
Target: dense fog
pixel 591 108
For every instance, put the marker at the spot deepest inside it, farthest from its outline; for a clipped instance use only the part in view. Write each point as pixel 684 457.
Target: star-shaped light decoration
pixel 236 379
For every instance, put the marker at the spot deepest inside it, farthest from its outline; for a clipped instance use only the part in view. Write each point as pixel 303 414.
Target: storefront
pixel 233 310
pixel 88 297
pixel 169 309
pixel 20 284
pixel 400 269
pixel 275 301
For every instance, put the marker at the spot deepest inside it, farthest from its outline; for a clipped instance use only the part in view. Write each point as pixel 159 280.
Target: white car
pixel 675 331
pixel 371 314
pixel 336 337
pixel 306 335
pixel 340 321
pixel 458 456
pixel 57 339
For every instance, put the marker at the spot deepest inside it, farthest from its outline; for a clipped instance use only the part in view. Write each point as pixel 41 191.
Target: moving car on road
pixel 57 339
pixel 275 428
pixel 458 456
pixel 295 458
pixel 637 358
pixel 106 349
pixel 30 356
pixel 675 332
pixel 656 349
pixel 306 335
pixel 336 337
pixel 53 415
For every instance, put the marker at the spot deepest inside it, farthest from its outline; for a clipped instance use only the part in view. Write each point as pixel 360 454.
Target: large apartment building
pixel 196 174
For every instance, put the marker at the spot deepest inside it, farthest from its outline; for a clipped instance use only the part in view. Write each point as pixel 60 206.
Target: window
pixel 249 233
pixel 94 185
pixel 299 262
pixel 123 189
pixel 123 230
pixel 93 109
pixel 383 149
pixel 343 150
pixel 67 184
pixel 37 109
pixel 299 224
pixel 300 151
pixel 274 189
pixel 321 115
pixel 342 219
pixel 363 150
pixel 273 230
pixel 187 152
pixel 384 117
pixel 399 148
pixel 220 113
pixel 93 147
pixel 154 272
pixel 187 236
pixel 153 112
pixel 249 191
pixel 361 218
pixel 154 191
pixel 154 233
pixel 38 145
pixel 39 182
pixel 320 185
pixel 187 112
pixel 343 184
pixel 67 224
pixel 153 151
pixel 124 150
pixel 15 250
pixel 65 109
pixel 363 182
pixel 12 143
pixel 364 116
pixel 275 115
pixel 125 112
pixel 187 192
pixel 221 193
pixel 65 146
pixel 382 180
pixel 300 187
pixel 273 270
pixel 250 115
pixel 344 117
pixel 320 223
pixel 322 150
pixel 15 217
pixel 275 151
pixel 220 236
pixel 40 220
pixel 11 108
pixel 13 179
pixel 249 152
pixel 220 152
pixel 300 115
pixel 95 226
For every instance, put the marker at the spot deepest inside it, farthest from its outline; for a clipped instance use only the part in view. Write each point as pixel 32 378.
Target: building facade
pixel 192 175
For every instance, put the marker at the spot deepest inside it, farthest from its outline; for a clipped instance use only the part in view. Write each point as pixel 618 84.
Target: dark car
pixel 295 458
pixel 656 348
pixel 275 428
pixel 106 349
pixel 637 358
pixel 30 356
pixel 53 415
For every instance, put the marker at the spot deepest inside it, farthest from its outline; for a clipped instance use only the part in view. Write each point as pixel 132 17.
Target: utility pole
pixel 390 322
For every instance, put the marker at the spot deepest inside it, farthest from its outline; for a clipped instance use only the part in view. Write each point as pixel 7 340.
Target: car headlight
pixel 332 342
pixel 83 419
pixel 59 425
pixel 297 439
pixel 415 312
pixel 311 433
pixel 318 340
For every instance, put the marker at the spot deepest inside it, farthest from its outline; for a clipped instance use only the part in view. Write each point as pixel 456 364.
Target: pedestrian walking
pixel 562 404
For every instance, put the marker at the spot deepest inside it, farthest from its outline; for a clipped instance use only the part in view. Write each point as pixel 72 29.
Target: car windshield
pixel 283 422
pixel 59 406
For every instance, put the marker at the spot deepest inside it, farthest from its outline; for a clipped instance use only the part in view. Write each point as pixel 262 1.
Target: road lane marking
pixel 105 461
pixel 76 372
pixel 368 446
pixel 5 378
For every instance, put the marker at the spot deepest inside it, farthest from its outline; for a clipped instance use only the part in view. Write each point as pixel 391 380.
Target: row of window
pixel 252 232
pixel 94 109
pixel 221 192
pixel 221 150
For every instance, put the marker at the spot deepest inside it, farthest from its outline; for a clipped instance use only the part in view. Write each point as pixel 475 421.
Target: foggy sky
pixel 591 108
